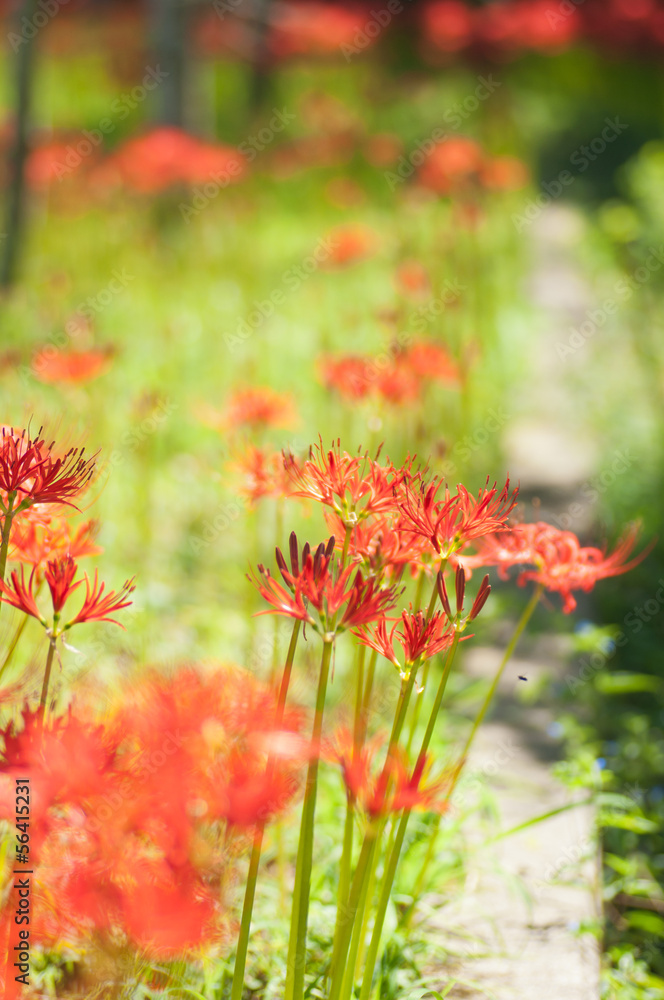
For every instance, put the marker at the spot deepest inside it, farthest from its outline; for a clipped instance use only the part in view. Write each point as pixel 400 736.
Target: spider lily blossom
pixel 389 789
pixel 451 521
pixel 31 473
pixel 561 563
pixel 329 592
pixel 60 575
pixel 418 636
pixel 354 486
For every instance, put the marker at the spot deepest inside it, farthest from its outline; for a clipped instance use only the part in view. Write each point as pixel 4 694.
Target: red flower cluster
pixel 459 165
pixel 262 473
pixel 505 28
pixel 254 408
pixel 389 789
pixel 561 563
pixel 350 244
pixel 342 598
pixel 316 28
pixel 36 538
pixel 70 367
pixel 31 473
pixel 60 575
pixel 132 820
pixel 166 157
pixel 400 379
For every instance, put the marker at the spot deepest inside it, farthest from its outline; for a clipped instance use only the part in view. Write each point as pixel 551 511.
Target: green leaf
pixel 643 920
pixel 628 683
pixel 623 821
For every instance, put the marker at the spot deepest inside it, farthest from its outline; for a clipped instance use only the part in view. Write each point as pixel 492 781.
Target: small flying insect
pixel 522 678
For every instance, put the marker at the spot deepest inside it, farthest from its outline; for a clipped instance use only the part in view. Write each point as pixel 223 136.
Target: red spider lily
pixel 348 374
pixel 37 540
pixel 338 480
pixel 451 522
pixel 365 602
pixel 350 244
pixel 257 406
pixel 504 173
pixel 20 595
pixel 166 157
pixel 45 164
pixel 315 28
pixel 33 474
pixel 74 367
pixel 399 386
pixel 418 636
pixel 452 165
pixel 245 794
pixel 412 278
pixel 98 608
pixel 563 565
pixel 169 914
pixel 430 361
pixel 448 24
pixel 394 788
pixel 60 575
pixel 511 547
pixel 315 586
pixel 481 597
pixel 262 473
pixel 385 549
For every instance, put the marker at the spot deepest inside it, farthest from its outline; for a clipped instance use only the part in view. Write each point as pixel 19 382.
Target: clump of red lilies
pixel 167 157
pixel 397 377
pixel 141 815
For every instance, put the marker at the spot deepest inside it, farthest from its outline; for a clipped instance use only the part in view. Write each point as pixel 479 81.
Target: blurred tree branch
pixel 24 48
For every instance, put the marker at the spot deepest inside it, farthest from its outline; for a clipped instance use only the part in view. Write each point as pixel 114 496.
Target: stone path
pixel 532 889
pixel 528 945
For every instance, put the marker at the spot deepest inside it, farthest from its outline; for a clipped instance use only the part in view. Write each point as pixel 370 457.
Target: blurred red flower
pixel 72 367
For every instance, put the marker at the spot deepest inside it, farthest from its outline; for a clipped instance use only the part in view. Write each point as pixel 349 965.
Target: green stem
pixel 4 537
pixel 14 643
pixel 360 926
pixel 347 850
pixel 257 846
pixel 357 894
pixel 247 909
pixel 47 674
pixel 511 646
pixel 368 688
pixel 391 867
pixel 296 969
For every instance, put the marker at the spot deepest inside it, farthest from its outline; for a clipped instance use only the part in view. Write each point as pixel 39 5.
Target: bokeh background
pixel 224 226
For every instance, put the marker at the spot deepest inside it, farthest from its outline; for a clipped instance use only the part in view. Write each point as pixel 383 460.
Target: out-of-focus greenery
pixel 168 498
